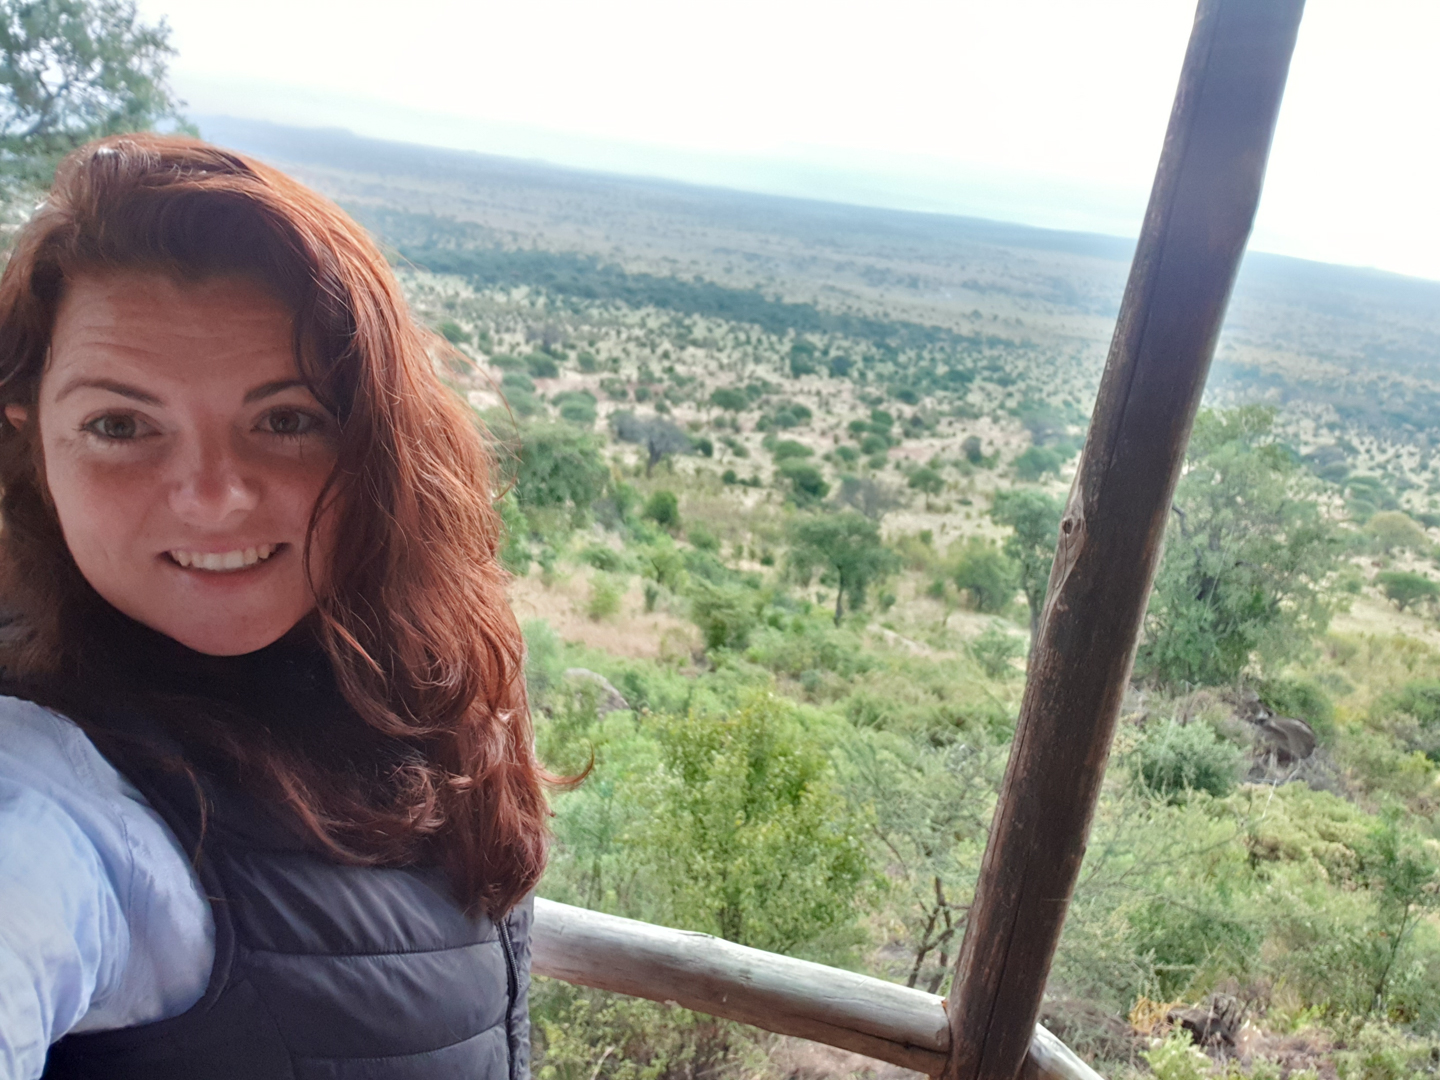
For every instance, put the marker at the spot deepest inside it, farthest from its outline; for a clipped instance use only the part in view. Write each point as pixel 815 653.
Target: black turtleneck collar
pixel 286 682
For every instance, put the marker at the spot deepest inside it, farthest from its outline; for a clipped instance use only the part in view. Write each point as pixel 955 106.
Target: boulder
pixel 608 699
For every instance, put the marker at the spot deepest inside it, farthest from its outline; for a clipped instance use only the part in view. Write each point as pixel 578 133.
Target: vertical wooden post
pixel 1200 213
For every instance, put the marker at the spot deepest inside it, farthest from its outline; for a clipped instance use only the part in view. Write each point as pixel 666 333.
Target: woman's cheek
pixel 102 503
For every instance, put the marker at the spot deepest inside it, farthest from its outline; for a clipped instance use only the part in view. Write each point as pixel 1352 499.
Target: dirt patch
pixel 800 1059
pixel 632 632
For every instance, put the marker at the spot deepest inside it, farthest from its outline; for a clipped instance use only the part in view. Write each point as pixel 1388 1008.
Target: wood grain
pixel 778 993
pixel 1201 209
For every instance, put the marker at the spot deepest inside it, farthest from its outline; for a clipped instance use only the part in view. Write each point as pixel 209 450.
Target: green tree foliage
pixel 1406 588
pixel 806 482
pixel 1394 529
pixel 560 467
pixel 1035 461
pixel 1248 558
pixel 927 480
pixel 994 649
pixel 846 548
pixel 931 806
pixel 786 449
pixel 725 612
pixel 1402 876
pixel 986 573
pixel 663 508
pixel 75 70
pixel 751 835
pixel 1173 760
pixel 729 399
pixel 1034 520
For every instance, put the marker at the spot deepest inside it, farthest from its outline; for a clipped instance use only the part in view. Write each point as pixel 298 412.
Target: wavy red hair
pixel 413 616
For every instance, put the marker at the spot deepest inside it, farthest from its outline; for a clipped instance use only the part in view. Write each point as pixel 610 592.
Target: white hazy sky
pixel 1048 112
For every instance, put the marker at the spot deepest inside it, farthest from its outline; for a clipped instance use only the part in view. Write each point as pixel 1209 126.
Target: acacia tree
pixel 75 70
pixel 1248 557
pixel 846 548
pixel 657 435
pixel 1034 520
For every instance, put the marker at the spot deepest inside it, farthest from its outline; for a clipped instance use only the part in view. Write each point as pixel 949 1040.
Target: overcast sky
pixel 1048 112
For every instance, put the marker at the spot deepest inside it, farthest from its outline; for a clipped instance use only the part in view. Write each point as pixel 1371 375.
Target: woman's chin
pixel 219 635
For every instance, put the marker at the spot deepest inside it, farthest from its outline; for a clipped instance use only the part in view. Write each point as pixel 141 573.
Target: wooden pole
pixel 778 993
pixel 1201 209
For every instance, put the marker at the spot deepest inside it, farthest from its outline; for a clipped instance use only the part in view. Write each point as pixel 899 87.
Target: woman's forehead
pixel 154 325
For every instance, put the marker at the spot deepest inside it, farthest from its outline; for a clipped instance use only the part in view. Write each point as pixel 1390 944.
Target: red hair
pixel 413 615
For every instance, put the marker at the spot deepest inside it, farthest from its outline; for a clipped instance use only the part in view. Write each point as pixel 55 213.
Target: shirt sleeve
pixel 102 922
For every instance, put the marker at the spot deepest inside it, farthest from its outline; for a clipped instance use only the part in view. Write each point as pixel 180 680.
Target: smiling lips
pixel 224 561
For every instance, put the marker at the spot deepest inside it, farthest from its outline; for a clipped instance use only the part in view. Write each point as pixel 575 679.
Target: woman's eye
pixel 289 422
pixel 115 426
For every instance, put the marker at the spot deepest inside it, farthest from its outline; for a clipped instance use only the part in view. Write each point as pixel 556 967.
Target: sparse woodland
pixel 778 559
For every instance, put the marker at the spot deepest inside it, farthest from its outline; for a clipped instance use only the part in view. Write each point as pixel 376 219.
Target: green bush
pixel 807 483
pixel 751 835
pixel 604 558
pixel 1036 461
pixel 541 366
pixel 514 382
pixel 787 449
pixel 927 480
pixel 1419 698
pixel 559 467
pixel 1302 698
pixel 994 649
pixel 703 538
pixel 663 508
pixel 605 594
pixel 1174 759
pixel 576 407
pixel 584 1034
pixel 729 399
pixel 1177 1058
pixel 725 613
pixel 1405 588
pixel 984 572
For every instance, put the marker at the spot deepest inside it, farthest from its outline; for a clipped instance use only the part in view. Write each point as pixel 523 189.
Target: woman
pixel 268 801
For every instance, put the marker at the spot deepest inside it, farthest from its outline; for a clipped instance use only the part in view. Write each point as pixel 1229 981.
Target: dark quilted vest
pixel 322 971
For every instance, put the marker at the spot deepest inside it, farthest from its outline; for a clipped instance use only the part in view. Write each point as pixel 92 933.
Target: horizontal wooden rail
pixel 778 993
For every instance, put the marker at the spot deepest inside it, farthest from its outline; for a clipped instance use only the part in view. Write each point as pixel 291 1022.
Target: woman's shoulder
pixel 38 744
pixel 101 827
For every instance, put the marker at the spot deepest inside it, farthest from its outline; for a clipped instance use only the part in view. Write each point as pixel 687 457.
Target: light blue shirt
pixel 102 920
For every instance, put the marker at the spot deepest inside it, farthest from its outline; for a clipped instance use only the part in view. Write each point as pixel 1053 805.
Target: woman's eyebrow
pixel 270 388
pixel 123 389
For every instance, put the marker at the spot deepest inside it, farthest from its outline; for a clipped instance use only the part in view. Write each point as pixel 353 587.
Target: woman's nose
pixel 212 487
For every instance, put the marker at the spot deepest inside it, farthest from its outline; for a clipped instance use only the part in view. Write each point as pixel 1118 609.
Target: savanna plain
pixel 782 482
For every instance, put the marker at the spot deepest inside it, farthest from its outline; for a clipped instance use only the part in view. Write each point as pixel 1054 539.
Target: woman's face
pixel 184 455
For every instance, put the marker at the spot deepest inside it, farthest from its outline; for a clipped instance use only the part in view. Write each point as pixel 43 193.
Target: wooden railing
pixel 778 993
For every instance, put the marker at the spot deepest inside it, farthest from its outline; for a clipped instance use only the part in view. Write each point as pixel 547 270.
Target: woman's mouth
pixel 223 561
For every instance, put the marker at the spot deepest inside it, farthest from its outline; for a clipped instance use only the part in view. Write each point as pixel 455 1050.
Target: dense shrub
pixel 663 508
pixel 1302 698
pixel 725 613
pixel 986 574
pixel 751 835
pixel 806 483
pixel 1173 760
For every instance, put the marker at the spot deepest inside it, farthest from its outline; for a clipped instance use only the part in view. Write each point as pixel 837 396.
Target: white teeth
pixel 224 560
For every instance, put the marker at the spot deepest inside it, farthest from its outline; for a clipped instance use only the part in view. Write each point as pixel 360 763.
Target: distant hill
pixel 1359 349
